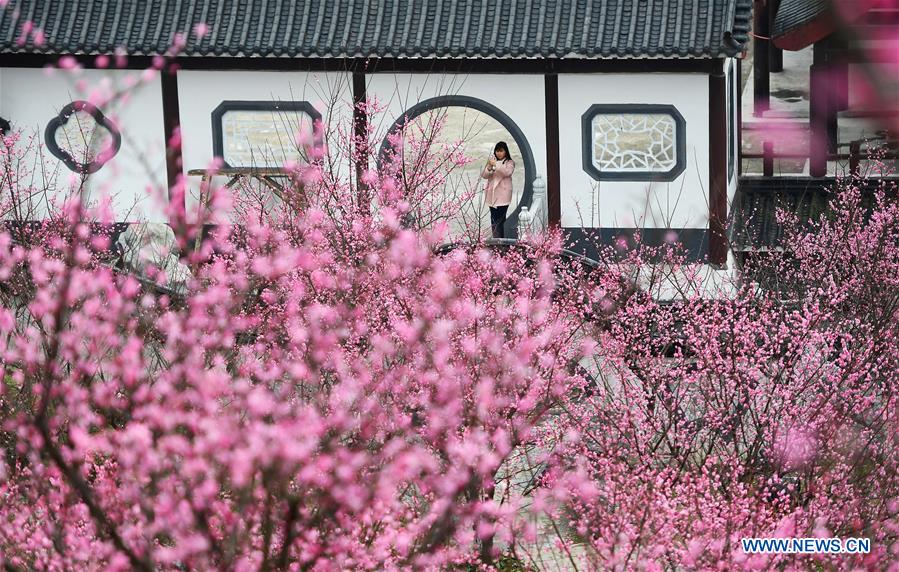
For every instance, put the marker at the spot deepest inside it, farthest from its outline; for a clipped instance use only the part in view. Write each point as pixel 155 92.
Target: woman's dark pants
pixel 497 220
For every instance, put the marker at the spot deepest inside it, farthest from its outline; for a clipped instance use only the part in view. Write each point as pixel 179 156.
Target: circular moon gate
pixel 527 156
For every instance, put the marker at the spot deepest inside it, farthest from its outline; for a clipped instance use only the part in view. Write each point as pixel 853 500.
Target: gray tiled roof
pixel 387 28
pixel 758 200
pixel 755 225
pixel 793 14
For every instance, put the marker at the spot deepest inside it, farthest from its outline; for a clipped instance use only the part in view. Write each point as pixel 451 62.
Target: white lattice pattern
pixel 634 142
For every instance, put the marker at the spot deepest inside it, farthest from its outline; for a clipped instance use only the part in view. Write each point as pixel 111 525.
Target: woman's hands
pixel 491 163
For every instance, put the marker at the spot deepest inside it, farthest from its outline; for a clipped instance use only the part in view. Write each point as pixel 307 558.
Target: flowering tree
pixel 334 390
pixel 766 411
pixel 329 391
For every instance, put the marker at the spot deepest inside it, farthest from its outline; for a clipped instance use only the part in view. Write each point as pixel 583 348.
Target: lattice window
pixel 633 142
pixel 262 133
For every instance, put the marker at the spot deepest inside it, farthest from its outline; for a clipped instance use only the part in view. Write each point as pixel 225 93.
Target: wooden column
pixel 855 151
pixel 739 104
pixel 360 129
pixel 553 175
pixel 840 69
pixel 833 93
pixel 761 79
pixel 776 55
pixel 717 165
pixel 768 158
pixel 171 119
pixel 822 112
pixel 838 59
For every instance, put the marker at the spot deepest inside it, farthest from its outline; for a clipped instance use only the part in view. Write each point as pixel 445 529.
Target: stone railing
pixel 533 218
pixel 153 244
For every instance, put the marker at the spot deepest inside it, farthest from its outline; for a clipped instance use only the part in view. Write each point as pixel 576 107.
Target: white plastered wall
pixel 681 203
pixel 200 92
pixel 30 98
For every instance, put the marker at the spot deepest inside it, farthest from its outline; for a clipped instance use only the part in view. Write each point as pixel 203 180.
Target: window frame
pixel 680 141
pixel 273 106
pixel 63 117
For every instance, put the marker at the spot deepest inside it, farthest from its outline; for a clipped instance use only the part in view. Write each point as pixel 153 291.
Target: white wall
pixel 200 92
pixel 681 203
pixel 30 98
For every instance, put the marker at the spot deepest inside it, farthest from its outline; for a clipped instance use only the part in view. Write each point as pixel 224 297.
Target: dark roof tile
pixel 793 14
pixel 758 200
pixel 386 28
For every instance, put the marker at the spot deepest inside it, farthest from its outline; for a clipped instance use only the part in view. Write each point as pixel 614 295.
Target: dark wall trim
pixel 732 112
pixel 680 141
pixel 171 119
pixel 739 117
pixel 588 241
pixel 511 244
pixel 26 232
pixel 530 167
pixel 63 155
pixel 542 66
pixel 5 127
pixel 553 158
pixel 717 166
pixel 274 106
pixel 391 65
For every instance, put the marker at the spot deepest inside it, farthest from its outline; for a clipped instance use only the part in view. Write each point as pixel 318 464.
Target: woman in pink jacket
pixel 498 192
